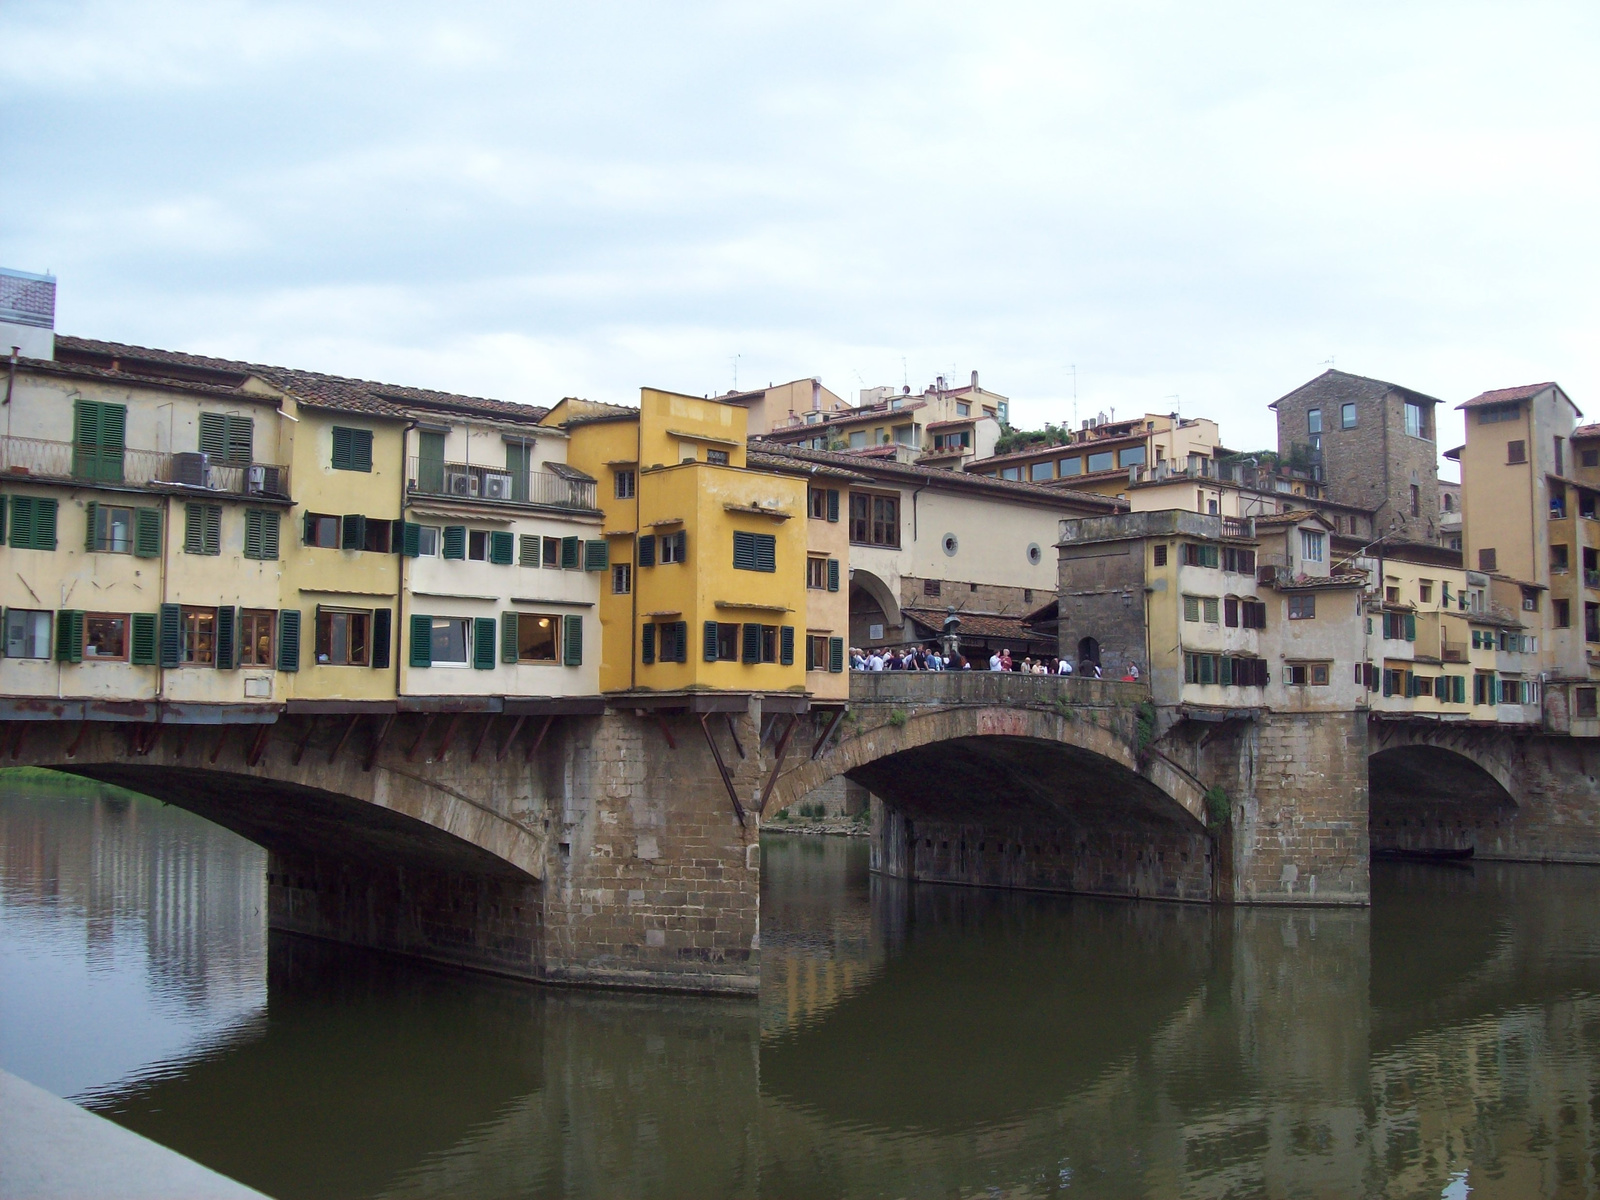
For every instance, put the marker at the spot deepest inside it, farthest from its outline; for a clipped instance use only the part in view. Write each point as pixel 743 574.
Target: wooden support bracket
pixel 377 742
pixel 516 728
pixel 483 733
pixel 667 733
pixel 16 738
pixel 259 746
pixel 816 751
pixel 77 742
pixel 449 736
pixel 305 738
pixel 734 734
pixel 539 741
pixel 349 728
pixel 722 769
pixel 778 754
pixel 151 737
pixel 222 737
pixel 427 724
pixel 183 742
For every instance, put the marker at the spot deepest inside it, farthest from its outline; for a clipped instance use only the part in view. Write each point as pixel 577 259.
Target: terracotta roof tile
pixel 1506 395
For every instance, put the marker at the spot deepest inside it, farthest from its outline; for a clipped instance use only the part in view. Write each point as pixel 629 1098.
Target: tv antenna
pixel 1177 408
pixel 735 361
pixel 1328 362
pixel 1073 368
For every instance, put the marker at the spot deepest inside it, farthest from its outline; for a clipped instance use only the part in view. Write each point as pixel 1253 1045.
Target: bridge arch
pixel 871 597
pixel 1434 787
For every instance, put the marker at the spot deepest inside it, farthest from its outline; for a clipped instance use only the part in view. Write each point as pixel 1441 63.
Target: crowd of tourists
pixel 928 658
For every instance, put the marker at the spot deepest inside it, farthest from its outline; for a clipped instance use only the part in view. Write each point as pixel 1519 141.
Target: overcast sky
pixel 1208 201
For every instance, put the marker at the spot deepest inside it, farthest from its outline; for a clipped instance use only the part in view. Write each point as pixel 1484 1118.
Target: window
pixel 1516 452
pixel 536 636
pixel 672 642
pixel 817 503
pixel 674 547
pixel 621 579
pixel 1400 626
pixel 963 409
pixel 322 530
pixel 1013 473
pixel 1240 562
pixel 256 626
pixel 858 439
pixel 1133 456
pixel 428 541
pixel 1230 612
pixel 1302 608
pixel 113 528
pixel 97 437
pixel 1069 466
pixel 343 637
pixel 1497 413
pixel 1425 591
pixel 202 529
pixel 1191 608
pixel 33 523
pixel 1347 416
pixel 717 458
pixel 1101 461
pixel 198 631
pixel 105 637
pixel 1252 614
pixel 754 551
pixel 930 587
pixel 1311 545
pixel 1590 458
pixel 1561 458
pixel 27 633
pixel 1586 702
pixel 227 438
pixel 1416 501
pixel 352 449
pixel 478 545
pixel 1416 420
pixel 875 520
pixel 817 575
pixel 1559 560
pixel 1197 555
pixel 1158 556
pixel 623 484
pixel 1296 674
pixel 1319 674
pixel 722 642
pixel 1391 595
pixel 1041 471
pixel 818 657
pixel 1313 420
pixel 1209 606
pixel 1530 599
pixel 452 638
pixel 1486 560
pixel 551 555
pixel 375 535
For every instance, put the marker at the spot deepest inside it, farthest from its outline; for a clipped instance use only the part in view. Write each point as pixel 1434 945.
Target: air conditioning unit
pixel 255 480
pixel 461 483
pixel 1266 576
pixel 192 469
pixel 497 487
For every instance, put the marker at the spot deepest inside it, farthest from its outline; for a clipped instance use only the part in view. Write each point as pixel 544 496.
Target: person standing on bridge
pixel 994 661
pixel 1064 667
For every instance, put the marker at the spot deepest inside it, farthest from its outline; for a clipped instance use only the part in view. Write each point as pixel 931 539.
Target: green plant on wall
pixel 897 718
pixel 1218 807
pixel 1146 728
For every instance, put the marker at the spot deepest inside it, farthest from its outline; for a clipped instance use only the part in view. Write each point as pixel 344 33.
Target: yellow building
pixel 716 597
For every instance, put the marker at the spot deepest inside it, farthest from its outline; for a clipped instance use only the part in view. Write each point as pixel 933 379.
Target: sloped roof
pixel 978 625
pixel 1505 395
pixel 1343 385
pixel 791 465
pixel 1586 431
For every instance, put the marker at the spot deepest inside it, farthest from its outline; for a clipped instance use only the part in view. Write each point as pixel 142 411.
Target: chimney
pixel 28 313
pixel 816 394
pixel 974 381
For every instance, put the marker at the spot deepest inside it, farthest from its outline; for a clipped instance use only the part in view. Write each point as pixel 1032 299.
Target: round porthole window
pixel 1034 553
pixel 951 545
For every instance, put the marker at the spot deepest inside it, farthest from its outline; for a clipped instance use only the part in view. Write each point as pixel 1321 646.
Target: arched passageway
pixel 1433 798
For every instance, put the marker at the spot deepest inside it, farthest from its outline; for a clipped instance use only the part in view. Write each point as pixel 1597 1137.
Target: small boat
pixel 1400 854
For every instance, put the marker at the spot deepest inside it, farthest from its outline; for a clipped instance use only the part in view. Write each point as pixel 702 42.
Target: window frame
pixel 624 484
pixel 622 579
pixel 249 638
pixel 49 632
pixel 191 640
pixel 1349 417
pixel 531 621
pixel 123 619
pixel 331 615
pixel 1302 608
pixel 466 624
pixel 102 522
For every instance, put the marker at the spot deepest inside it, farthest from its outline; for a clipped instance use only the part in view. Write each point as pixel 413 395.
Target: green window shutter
pixel 710 639
pixel 786 645
pixel 353 532
pixel 574 640
pixel 382 637
pixel 647 645
pixel 171 635
pixel 811 662
pixel 421 641
pixel 509 641
pixel 240 438
pixel 97 440
pixel 836 654
pixel 455 542
pixel 213 529
pixel 1411 627
pixel 343 454
pixel 69 635
pixel 227 637
pixel 361 449
pixel 833 504
pixel 22 522
pixel 833 574
pixel 596 555
pixel 502 544
pixel 680 641
pixel 147 532
pixel 194 528
pixel 410 539
pixel 260 534
pixel 44 523
pixel 91 518
pixel 647 550
pixel 483 644
pixel 214 436
pixel 569 553
pixel 430 463
pixel 2 520
pixel 519 460
pixel 766 552
pixel 528 550
pixel 289 639
pixel 142 650
pixel 744 550
pixel 752 643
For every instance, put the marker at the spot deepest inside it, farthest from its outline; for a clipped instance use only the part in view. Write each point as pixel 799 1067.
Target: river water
pixel 922 1041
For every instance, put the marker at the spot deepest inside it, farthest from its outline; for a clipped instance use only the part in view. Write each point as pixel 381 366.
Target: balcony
pixel 1452 652
pixel 497 485
pixel 36 458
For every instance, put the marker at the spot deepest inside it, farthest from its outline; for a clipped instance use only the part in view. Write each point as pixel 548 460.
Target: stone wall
pixel 1102 596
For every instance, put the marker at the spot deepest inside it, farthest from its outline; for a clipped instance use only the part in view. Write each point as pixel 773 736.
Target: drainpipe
pixel 166 541
pixel 633 592
pixel 398 633
pixel 11 377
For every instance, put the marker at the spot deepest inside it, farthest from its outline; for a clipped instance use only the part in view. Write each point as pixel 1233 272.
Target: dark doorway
pixel 1089 651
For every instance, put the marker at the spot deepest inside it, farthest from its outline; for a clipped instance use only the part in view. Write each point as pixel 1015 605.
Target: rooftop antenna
pixel 735 360
pixel 1177 409
pixel 1074 369
pixel 1328 362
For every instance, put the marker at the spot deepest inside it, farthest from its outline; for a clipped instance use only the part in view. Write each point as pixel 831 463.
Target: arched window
pixel 1088 650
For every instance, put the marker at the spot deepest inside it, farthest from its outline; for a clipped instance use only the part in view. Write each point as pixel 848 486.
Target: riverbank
pixel 854 829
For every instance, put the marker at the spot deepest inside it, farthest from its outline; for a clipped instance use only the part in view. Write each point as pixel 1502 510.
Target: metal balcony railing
pixel 1452 652
pixel 475 481
pixel 37 458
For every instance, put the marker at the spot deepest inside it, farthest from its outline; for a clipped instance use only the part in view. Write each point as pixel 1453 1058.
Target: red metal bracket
pixel 722 769
pixel 667 733
pixel 779 753
pixel 305 738
pixel 259 746
pixel 83 732
pixel 449 736
pixel 483 733
pixel 734 734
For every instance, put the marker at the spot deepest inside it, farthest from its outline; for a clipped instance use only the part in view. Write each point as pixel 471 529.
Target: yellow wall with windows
pixel 827 614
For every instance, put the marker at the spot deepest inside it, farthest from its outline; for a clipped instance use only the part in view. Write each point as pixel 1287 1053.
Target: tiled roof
pixel 1052 450
pixel 1506 395
pixel 1308 583
pixel 1293 517
pixel 314 388
pixel 789 464
pixel 947 424
pixel 1586 431
pixel 980 484
pixel 71 370
pixel 1342 385
pixel 977 625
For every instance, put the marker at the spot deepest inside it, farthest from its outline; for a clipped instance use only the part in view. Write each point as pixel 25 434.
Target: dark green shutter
pixel 596 555
pixel 410 539
pixel 91 518
pixel 1411 627
pixel 147 532
pixel 502 545
pixel 142 649
pixel 811 661
pixel 289 639
pixel 171 635
pixel 569 553
pixel 69 635
pixel 22 522
pixel 214 436
pixel 528 550
pixel 421 641
pixel 766 552
pixel 483 643
pixel 213 531
pixel 44 523
pixel 752 643
pixel 744 550
pixel 510 643
pixel 680 630
pixel 261 534
pixel 455 541
pixel 352 449
pixel 241 440
pixel 647 645
pixel 353 532
pixel 836 654
pixel 833 504
pixel 97 441
pixel 786 645
pixel 833 574
pixel 227 637
pixel 382 636
pixel 519 460
pixel 574 640
pixel 647 550
pixel 194 527
pixel 710 648
pixel 2 520
pixel 430 463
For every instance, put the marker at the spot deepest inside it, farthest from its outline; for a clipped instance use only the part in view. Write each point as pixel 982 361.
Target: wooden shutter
pixel 502 545
pixel 194 528
pixel 574 640
pixel 483 644
pixel 528 550
pixel 97 440
pixel 261 534
pixel 227 637
pixel 680 630
pixel 421 641
pixel 1411 627
pixel 647 644
pixel 752 643
pixel 91 518
pixel 766 552
pixel 596 555
pixel 289 639
pixel 171 635
pixel 44 523
pixel 836 654
pixel 2 520
pixel 361 449
pixel 833 504
pixel 343 449
pixel 510 642
pixel 353 532
pixel 214 436
pixel 569 553
pixel 430 462
pixel 382 636
pixel 647 550
pixel 147 532
pixel 786 646
pixel 410 539
pixel 744 551
pixel 455 541
pixel 710 640
pixel 69 635
pixel 239 440
pixel 210 529
pixel 833 574
pixel 142 644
